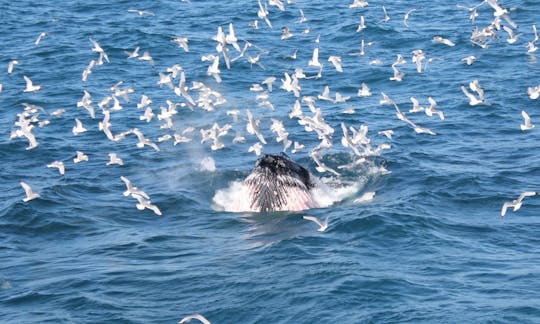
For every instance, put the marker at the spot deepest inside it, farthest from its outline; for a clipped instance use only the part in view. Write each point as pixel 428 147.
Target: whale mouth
pixel 277 184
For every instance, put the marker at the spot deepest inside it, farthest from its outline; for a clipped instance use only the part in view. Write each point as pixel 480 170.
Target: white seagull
pixel 143 203
pixel 132 190
pixel 406 17
pixel 30 87
pixel 198 317
pixel 29 193
pixel 39 38
pixel 534 92
pixel 469 59
pixel 322 225
pixel 516 204
pixel 142 12
pixel 473 101
pixel 11 65
pixel 80 157
pixel 528 124
pixel 97 48
pixel 59 165
pixel 441 40
pixel 78 128
pixel 315 59
pixel 114 159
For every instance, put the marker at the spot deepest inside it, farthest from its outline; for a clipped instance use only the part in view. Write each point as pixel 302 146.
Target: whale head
pixel 277 183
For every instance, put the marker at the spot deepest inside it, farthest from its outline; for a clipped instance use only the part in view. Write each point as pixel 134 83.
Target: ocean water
pixel 430 246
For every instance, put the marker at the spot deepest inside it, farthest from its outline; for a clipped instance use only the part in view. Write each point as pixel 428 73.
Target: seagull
pixel 143 140
pixel 516 204
pixel 143 203
pixel 145 102
pixel 30 87
pixel 528 124
pixel 40 37
pixel 358 4
pixel 29 193
pixel 336 61
pixel 473 101
pixel 512 37
pixel 131 190
pixel 221 38
pixel 385 99
pixel 80 157
pixel 78 128
pixel 398 76
pixel 364 91
pixel 97 48
pixel 303 18
pixel 148 114
pixel 146 57
pixel 86 103
pixel 297 147
pixel 533 92
pixel 341 98
pixel 182 42
pixel 199 317
pixel 88 70
pixel 291 84
pixel 388 133
pixel 475 86
pixel 59 165
pixel 361 25
pixel 418 57
pixel 133 54
pixel 386 17
pixel 114 159
pixel 142 12
pixel 252 127
pixel 105 125
pixel 322 225
pixel 58 112
pixel 268 82
pixel 431 109
pixel 469 59
pixel 321 167
pixel 441 40
pixel 315 59
pixel 173 70
pixel 406 17
pixel 325 95
pixel 231 38
pixel 11 65
pixel 285 33
pixel 181 90
pixel 262 13
pixel 165 79
pixel 257 148
pixel 416 105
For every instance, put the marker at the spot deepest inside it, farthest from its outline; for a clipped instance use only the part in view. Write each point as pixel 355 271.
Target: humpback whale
pixel 277 183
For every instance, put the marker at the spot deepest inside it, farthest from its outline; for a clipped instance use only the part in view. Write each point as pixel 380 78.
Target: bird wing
pixel 29 82
pixel 526 117
pixel 526 194
pixel 26 188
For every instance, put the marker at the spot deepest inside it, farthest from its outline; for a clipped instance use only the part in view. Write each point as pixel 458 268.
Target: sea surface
pixel 430 246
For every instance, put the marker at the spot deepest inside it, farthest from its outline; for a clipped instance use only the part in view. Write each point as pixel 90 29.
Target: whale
pixel 277 183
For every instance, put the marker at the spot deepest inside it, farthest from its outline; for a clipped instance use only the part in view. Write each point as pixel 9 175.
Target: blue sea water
pixel 430 247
